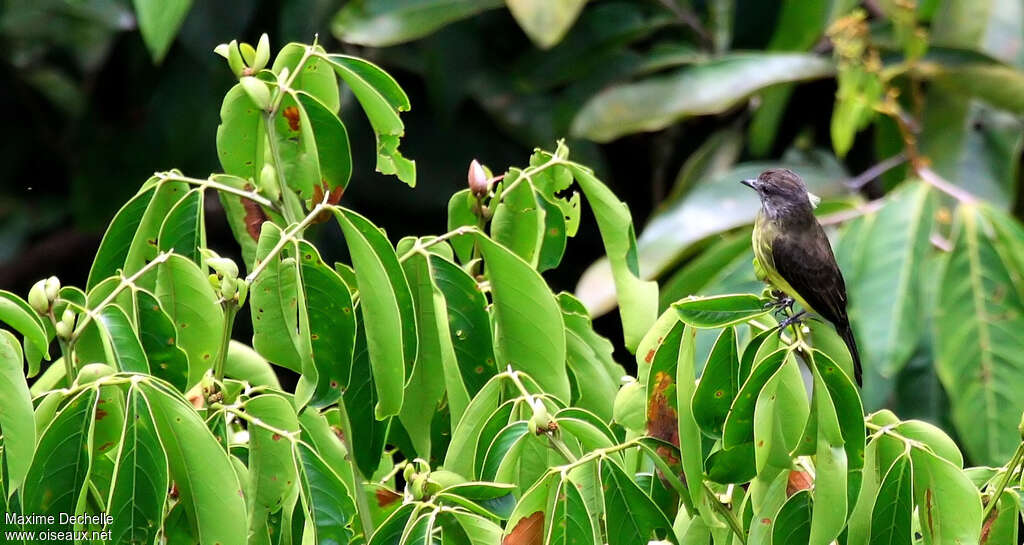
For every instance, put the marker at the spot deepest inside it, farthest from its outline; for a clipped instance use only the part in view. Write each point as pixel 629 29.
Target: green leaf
pixel 589 356
pixel 462 450
pixel 948 504
pixel 793 523
pixel 554 236
pixel 332 146
pixel 689 435
pixel 831 466
pixel 316 76
pixel 391 530
pixel 387 304
pixel 15 312
pixel 140 482
pixel 121 341
pixel 638 299
pixel 460 214
pixel 519 221
pixel 325 497
pixel 183 230
pixel 710 87
pixel 718 386
pixel 209 489
pixel 116 241
pixel 368 433
pixel 848 407
pixel 159 341
pixel 890 262
pixel 16 418
pixel 382 100
pixel 145 242
pixel 894 506
pixel 381 24
pixel 332 325
pixel 273 305
pixel 299 167
pixel 271 466
pixel 531 336
pixel 239 148
pixel 468 325
pixel 498 452
pixel 780 414
pixel 545 22
pixel 977 347
pixel 632 517
pixel 732 465
pixel 159 21
pixel 56 481
pixel 435 362
pixel 999 85
pixel 739 425
pixel 720 311
pixel 185 293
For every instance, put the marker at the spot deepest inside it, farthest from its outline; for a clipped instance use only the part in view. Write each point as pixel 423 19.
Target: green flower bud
pixel 227 289
pixel 257 91
pixel 37 297
pixel 630 408
pixel 262 53
pixel 68 316
pixel 214 281
pixel 408 472
pixel 223 266
pixel 93 372
pixel 268 183
pixel 52 288
pixel 235 59
pixel 63 330
pixel 541 422
pixel 242 288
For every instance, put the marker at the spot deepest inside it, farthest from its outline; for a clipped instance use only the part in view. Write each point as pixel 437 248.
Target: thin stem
pixel 287 236
pixel 230 310
pixel 877 170
pixel 291 436
pixel 223 188
pixel 420 246
pixel 275 157
pixel 1018 456
pixel 943 185
pixel 561 447
pixel 847 215
pixel 88 314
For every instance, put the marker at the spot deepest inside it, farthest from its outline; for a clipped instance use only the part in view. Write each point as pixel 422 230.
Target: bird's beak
pixel 751 183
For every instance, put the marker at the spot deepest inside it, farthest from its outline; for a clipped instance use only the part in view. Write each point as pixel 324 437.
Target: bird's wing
pixel 806 261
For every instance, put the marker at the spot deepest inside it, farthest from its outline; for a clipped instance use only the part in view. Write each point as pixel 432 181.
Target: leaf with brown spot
pixel 661 415
pixel 386 497
pixel 798 480
pixel 254 216
pixel 291 113
pixel 528 531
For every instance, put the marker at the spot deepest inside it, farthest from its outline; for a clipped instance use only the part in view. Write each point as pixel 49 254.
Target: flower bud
pixel 268 182
pixel 541 422
pixel 222 50
pixel 257 91
pixel 630 408
pixel 223 266
pixel 262 53
pixel 37 297
pixel 228 289
pixel 242 288
pixel 477 178
pixel 68 317
pixel 214 281
pixel 408 472
pixel 52 288
pixel 63 330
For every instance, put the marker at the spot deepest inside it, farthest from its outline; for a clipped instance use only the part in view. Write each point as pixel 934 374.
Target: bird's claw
pixel 797 318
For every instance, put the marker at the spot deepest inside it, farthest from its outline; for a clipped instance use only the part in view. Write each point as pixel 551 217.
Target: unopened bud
pixel 214 281
pixel 257 91
pixel 63 330
pixel 541 422
pixel 37 297
pixel 242 288
pixel 223 266
pixel 228 289
pixel 68 317
pixel 52 288
pixel 248 53
pixel 477 179
pixel 268 182
pixel 408 472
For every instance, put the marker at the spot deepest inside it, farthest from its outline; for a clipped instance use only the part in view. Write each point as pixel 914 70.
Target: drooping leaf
pixel 545 22
pixel 793 523
pixel 387 305
pixel 739 424
pixel 16 313
pixel 831 466
pixel 159 22
pixel 533 340
pixel 183 230
pixel 632 517
pixel 16 418
pixel 56 481
pixel 894 506
pixel 332 147
pixel 208 486
pixel 380 24
pixel 706 88
pixel 519 222
pixel 977 345
pixel 273 305
pixel 326 499
pixel 187 297
pixel 719 384
pixel 589 357
pixel 138 489
pixel 272 469
pixel 949 506
pixel 638 299
pixel 159 341
pixel 469 326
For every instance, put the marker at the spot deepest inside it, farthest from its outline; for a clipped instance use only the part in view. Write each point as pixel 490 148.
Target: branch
pixel 944 185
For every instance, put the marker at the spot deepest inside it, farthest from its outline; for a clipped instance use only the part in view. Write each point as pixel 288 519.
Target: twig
pixel 944 185
pixel 877 170
pixel 847 215
pixel 688 19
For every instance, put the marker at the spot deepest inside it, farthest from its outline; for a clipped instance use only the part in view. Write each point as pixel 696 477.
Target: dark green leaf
pixel 326 499
pixel 720 311
pixel 16 419
pixel 719 384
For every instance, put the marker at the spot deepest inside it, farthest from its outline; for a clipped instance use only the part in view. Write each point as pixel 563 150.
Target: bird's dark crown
pixel 782 182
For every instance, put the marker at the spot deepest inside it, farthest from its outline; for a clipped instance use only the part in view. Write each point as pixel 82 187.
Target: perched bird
pixel 793 254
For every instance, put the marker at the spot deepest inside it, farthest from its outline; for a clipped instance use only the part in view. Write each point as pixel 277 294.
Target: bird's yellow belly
pixel 764 265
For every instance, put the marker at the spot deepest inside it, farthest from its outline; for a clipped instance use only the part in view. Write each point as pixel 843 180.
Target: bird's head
pixel 782 192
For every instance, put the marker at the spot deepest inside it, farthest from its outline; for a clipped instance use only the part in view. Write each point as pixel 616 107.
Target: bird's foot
pixel 796 319
pixel 781 304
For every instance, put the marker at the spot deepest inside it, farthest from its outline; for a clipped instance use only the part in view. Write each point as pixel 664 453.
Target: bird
pixel 793 254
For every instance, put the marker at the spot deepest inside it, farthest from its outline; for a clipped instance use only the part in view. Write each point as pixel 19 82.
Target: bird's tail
pixel 846 333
